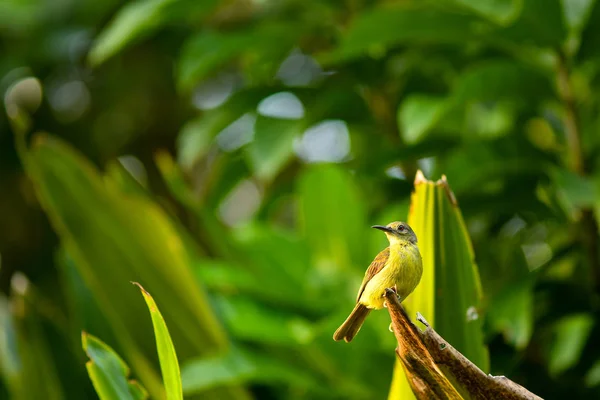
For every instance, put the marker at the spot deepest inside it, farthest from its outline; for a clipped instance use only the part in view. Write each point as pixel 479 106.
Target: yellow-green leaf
pixel 450 291
pixel 116 237
pixel 166 351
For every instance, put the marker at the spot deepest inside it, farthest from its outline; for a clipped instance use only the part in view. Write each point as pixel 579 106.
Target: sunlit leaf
pixel 166 351
pixel 450 291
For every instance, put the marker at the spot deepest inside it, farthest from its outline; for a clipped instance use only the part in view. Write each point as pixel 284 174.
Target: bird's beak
pixel 383 228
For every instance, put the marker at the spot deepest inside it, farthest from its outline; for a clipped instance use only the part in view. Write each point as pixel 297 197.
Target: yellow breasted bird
pixel 398 266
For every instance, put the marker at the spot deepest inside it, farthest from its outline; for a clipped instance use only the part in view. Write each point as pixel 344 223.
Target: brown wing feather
pixel 376 265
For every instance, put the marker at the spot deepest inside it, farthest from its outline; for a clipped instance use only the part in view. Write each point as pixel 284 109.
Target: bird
pixel 399 266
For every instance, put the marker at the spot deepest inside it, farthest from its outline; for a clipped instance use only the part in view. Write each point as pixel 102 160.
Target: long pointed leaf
pixel 166 351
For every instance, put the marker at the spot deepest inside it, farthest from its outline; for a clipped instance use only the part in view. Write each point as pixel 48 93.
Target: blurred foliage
pixel 230 156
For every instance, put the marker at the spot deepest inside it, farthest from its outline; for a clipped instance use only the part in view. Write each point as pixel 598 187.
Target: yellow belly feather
pixel 403 269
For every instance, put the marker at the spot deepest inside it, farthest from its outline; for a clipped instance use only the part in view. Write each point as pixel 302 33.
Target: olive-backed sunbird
pixel 398 266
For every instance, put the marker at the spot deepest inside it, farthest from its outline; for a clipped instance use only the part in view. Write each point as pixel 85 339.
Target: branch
pixel 426 379
pixel 425 354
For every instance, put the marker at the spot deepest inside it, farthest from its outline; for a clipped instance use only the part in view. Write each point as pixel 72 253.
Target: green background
pixel 231 156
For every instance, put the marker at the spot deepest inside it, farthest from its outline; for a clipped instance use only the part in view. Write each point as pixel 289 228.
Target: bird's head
pixel 398 232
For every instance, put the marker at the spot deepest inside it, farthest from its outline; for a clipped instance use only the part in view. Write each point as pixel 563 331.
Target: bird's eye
pixel 401 228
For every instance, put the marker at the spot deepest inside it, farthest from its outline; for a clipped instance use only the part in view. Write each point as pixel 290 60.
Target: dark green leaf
pixel 205 52
pixel 374 32
pixel 499 80
pixel 512 313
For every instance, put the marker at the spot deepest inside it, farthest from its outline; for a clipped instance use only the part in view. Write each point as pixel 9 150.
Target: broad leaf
pixel 332 217
pixel 449 293
pixel 241 366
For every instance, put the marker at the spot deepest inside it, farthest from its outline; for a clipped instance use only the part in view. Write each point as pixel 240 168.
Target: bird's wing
pixel 376 265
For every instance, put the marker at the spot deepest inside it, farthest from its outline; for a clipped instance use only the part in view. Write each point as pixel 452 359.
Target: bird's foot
pixel 384 304
pixel 390 328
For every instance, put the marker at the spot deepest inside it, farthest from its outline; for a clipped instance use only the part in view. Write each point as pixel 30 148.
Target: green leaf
pixel 502 12
pixel 328 201
pixel 139 19
pixel 197 135
pixel 240 366
pixel 272 146
pixel 418 114
pixel 449 293
pixel 374 32
pixel 577 12
pixel 574 191
pixel 108 371
pixel 502 79
pixel 571 334
pixel 529 29
pixel 252 321
pixel 590 37
pixel 115 238
pixel 592 377
pixel 512 313
pixel 204 53
pixel 166 351
pixel 29 351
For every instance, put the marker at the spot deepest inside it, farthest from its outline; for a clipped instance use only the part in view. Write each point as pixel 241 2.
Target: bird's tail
pixel 352 324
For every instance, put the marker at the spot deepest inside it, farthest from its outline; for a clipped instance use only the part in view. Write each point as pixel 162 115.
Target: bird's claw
pixel 384 304
pixel 390 328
